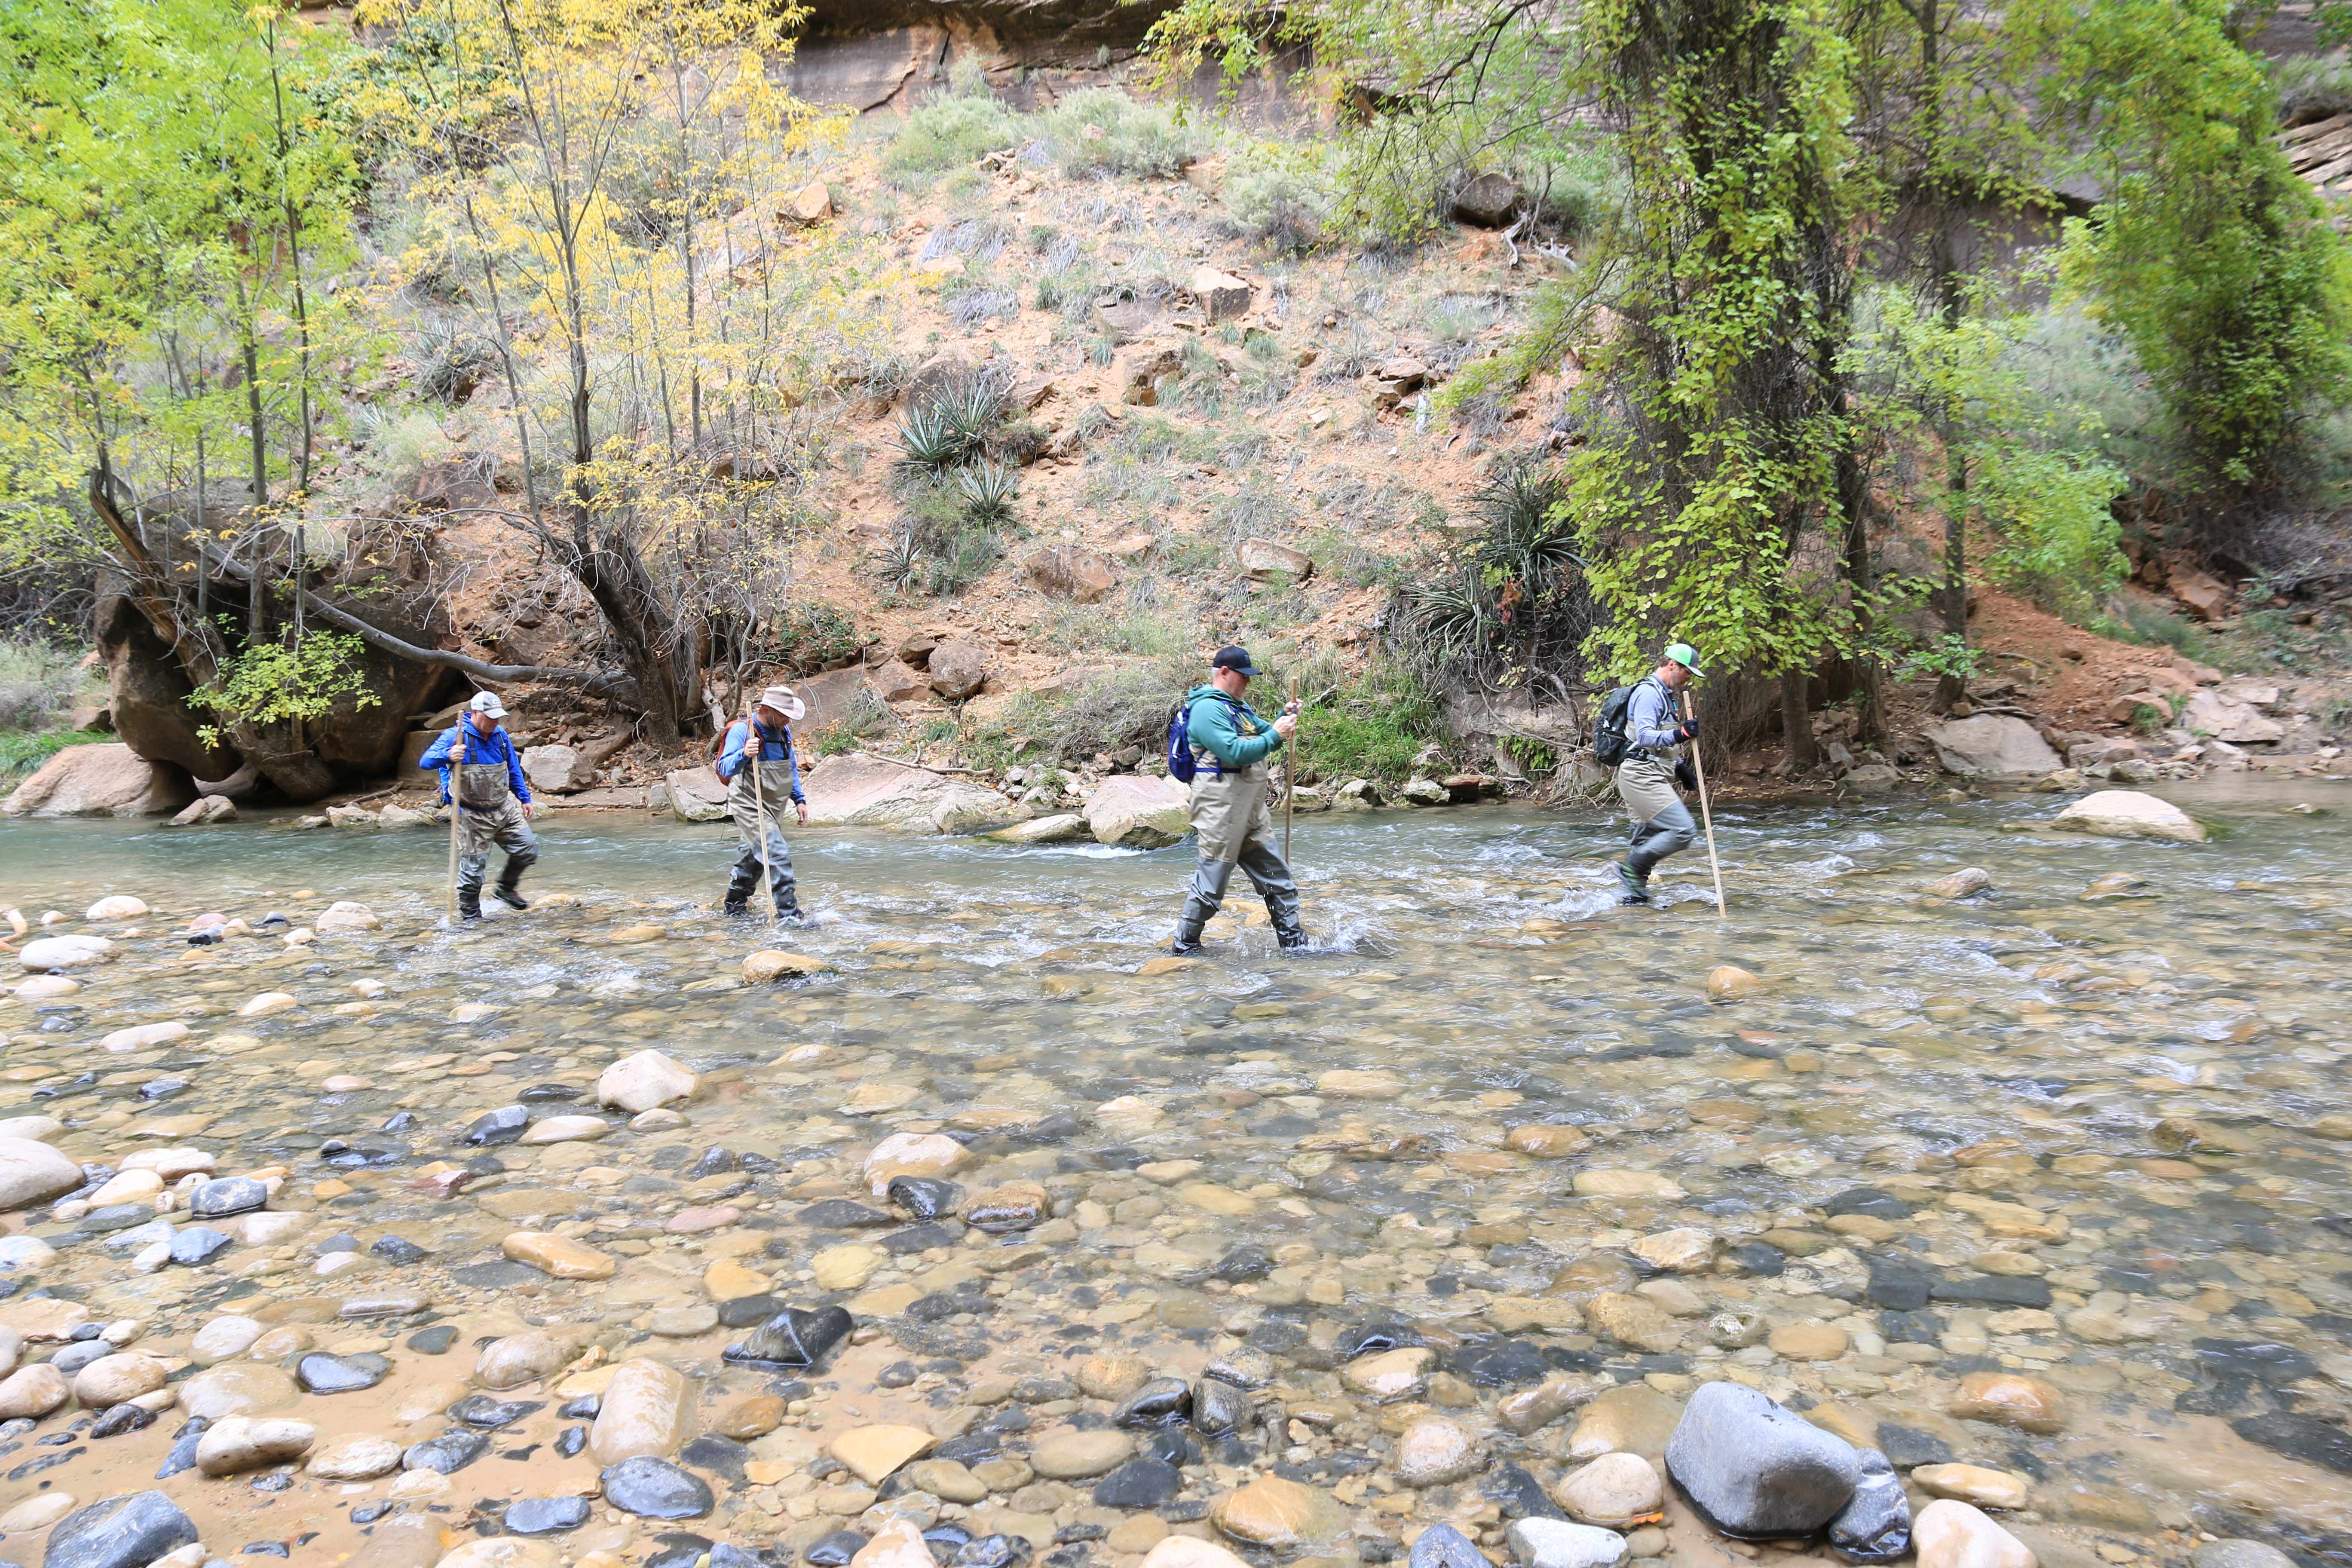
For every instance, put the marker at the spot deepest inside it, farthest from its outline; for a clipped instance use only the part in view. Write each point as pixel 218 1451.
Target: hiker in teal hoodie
pixel 1230 745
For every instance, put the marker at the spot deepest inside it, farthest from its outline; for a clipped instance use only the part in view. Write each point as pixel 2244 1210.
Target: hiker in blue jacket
pixel 491 798
pixel 759 813
pixel 1230 745
pixel 1656 731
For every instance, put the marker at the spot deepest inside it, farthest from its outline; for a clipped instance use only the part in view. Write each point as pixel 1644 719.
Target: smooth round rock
pixel 656 1488
pixel 1071 1456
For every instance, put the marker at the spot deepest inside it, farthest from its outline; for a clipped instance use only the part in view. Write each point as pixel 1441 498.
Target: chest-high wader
pixel 755 828
pixel 488 816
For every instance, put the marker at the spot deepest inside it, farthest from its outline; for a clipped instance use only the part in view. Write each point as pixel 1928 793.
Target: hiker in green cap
pixel 1225 745
pixel 1656 731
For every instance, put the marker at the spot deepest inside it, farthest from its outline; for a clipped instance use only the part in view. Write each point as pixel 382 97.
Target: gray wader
pixel 487 814
pixel 1662 822
pixel 1235 825
pixel 751 826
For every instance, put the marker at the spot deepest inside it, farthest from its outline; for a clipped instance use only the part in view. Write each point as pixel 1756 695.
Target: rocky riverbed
pixel 1987 1218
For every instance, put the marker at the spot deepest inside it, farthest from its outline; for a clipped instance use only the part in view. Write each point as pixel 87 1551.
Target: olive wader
pixel 1236 828
pixel 751 826
pixel 1662 822
pixel 487 814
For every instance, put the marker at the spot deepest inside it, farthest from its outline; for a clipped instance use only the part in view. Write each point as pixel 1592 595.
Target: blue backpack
pixel 1181 766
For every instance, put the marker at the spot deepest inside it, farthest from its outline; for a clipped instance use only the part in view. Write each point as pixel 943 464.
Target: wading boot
pixel 505 893
pixel 1188 936
pixel 1637 886
pixel 736 907
pixel 470 903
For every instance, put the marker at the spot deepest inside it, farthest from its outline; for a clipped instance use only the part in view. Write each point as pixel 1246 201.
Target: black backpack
pixel 1610 742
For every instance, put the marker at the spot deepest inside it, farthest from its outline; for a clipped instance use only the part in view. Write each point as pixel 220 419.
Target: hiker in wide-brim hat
pixel 763 742
pixel 482 782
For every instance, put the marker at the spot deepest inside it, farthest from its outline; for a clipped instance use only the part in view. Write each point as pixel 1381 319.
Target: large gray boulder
pixel 1756 1470
pixel 1138 811
pixel 1993 745
pixel 863 791
pixel 959 668
pixel 557 770
pixel 2221 716
pixel 697 795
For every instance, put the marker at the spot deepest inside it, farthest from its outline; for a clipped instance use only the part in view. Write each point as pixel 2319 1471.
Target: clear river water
pixel 2047 1181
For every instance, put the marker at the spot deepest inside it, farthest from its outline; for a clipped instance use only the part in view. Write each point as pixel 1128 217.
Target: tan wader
pixel 489 813
pixel 1662 822
pixel 1234 819
pixel 751 826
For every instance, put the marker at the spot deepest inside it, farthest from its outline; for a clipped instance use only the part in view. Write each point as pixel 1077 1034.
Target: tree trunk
pixel 1797 721
pixel 616 577
pixel 1952 685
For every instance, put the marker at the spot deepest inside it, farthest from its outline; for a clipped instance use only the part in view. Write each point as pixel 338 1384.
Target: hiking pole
pixel 759 801
pixel 1290 779
pixel 457 777
pixel 1698 766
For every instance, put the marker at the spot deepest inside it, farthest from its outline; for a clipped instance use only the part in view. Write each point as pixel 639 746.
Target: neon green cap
pixel 1682 653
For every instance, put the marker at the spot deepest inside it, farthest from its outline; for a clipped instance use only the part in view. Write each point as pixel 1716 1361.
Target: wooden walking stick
pixel 1290 779
pixel 1698 766
pixel 753 744
pixel 456 775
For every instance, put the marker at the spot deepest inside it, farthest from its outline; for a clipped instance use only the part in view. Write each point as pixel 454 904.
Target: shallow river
pixel 2029 1181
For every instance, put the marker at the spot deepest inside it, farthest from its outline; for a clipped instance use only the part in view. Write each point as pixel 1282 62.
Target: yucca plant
pixel 988 490
pixel 900 563
pixel 976 404
pixel 930 438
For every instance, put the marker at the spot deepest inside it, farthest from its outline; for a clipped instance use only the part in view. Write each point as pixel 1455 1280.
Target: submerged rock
pixel 129 1531
pixel 793 1338
pixel 656 1488
pixel 1953 1535
pixel 1874 1526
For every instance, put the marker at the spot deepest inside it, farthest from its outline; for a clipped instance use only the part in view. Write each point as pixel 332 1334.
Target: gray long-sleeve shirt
pixel 1651 716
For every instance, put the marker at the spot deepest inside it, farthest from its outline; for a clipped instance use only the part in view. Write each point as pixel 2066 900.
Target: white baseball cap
pixel 487 702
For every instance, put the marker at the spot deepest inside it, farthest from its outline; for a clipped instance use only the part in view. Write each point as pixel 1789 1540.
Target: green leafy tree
pixel 1714 444
pixel 1936 377
pixel 2210 254
pixel 292 681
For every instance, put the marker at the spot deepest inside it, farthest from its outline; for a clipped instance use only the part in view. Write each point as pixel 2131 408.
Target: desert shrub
pixel 2135 619
pixel 1373 727
pixel 972 304
pixel 39 684
pixel 951 131
pixel 988 487
pixel 1278 202
pixel 2310 86
pixel 400 447
pixel 449 364
pixel 1515 594
pixel 865 715
pixel 1102 131
pixel 1260 508
pixel 1128 707
pixel 815 636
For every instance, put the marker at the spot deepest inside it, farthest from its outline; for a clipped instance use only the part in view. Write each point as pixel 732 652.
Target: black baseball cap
pixel 1235 658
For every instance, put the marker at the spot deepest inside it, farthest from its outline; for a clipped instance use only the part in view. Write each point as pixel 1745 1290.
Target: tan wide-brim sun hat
pixel 781 699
